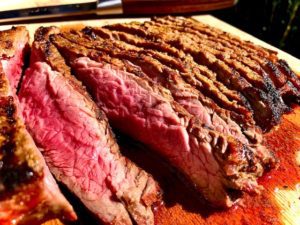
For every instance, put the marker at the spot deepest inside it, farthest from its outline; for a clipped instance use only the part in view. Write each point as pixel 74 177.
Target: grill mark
pixel 236 81
pixel 235 58
pixel 278 76
pixel 214 32
pixel 253 61
pixel 262 82
pixel 135 40
pixel 291 76
pixel 131 29
pixel 270 63
pixel 249 75
pixel 222 46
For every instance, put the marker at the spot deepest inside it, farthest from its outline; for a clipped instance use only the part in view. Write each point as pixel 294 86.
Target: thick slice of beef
pixel 267 107
pixel 78 144
pixel 28 192
pixel 192 100
pixel 213 162
pixel 13 45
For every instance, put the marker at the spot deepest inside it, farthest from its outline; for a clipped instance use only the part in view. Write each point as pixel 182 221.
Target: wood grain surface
pixel 279 203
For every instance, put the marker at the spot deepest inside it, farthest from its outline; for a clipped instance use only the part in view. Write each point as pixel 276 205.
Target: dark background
pixel 274 21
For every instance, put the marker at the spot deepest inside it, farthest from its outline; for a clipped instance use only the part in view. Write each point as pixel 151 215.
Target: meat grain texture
pixel 28 192
pixel 142 76
pixel 78 144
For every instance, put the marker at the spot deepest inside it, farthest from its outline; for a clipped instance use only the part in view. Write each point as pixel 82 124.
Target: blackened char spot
pixel 10 110
pixel 47 48
pixel 89 31
pixel 12 172
pixel 249 156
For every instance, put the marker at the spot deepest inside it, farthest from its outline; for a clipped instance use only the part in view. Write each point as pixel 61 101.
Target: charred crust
pixel 12 173
pixel 47 48
pixel 248 155
pixel 273 68
pixel 89 32
pixel 42 32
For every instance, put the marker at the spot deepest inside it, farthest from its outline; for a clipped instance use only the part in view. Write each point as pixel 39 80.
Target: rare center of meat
pixel 148 116
pixel 137 110
pixel 77 144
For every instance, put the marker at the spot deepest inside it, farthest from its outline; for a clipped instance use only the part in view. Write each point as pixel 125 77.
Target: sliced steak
pixel 78 143
pixel 201 72
pixel 28 192
pixel 183 93
pixel 267 105
pixel 174 72
pixel 193 73
pixel 138 107
pixel 266 60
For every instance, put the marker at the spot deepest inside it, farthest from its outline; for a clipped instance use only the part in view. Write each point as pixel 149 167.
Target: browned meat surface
pixel 28 192
pixel 266 103
pixel 246 52
pixel 13 46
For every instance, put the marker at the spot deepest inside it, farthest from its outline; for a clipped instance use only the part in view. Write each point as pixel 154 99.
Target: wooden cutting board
pixel 279 203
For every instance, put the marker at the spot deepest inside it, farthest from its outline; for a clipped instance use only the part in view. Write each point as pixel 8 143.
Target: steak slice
pixel 213 162
pixel 13 45
pixel 78 144
pixel 28 192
